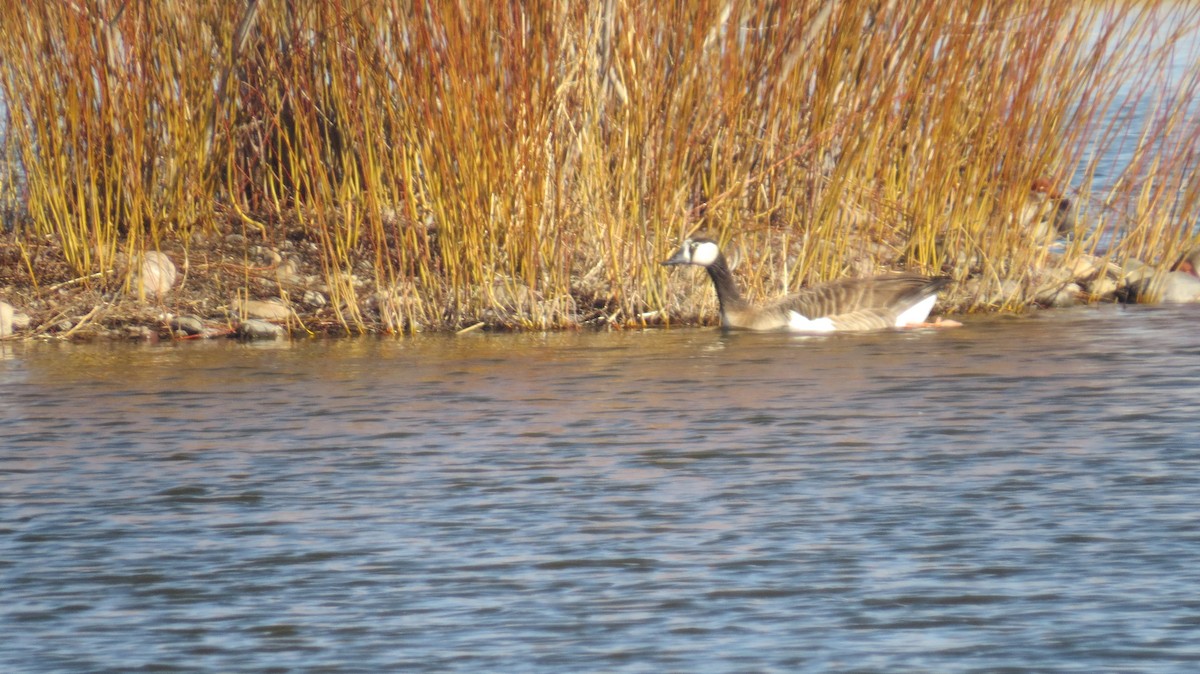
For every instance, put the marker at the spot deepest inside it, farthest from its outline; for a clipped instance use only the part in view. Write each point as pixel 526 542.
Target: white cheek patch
pixel 705 253
pixel 798 323
pixel 917 313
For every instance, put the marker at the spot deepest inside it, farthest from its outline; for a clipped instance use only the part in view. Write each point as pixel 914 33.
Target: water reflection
pixel 1014 495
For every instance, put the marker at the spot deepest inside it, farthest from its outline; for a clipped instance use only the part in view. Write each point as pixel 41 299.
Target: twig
pixel 81 279
pixel 90 315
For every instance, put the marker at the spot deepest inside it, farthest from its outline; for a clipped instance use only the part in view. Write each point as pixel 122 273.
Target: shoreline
pixel 227 287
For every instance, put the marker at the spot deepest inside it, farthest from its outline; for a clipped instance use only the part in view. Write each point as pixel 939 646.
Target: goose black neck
pixel 728 295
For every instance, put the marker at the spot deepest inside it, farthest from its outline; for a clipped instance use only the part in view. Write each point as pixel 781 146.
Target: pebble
pixel 267 257
pixel 288 271
pixel 256 329
pixel 313 299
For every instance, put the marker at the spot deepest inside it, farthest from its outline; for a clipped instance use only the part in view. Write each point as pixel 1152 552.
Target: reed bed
pixel 442 164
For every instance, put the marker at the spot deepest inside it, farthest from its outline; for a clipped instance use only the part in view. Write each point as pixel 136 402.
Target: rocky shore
pixel 226 288
pixel 229 287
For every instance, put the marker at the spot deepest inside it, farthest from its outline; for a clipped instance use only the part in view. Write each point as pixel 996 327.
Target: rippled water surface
pixel 1015 495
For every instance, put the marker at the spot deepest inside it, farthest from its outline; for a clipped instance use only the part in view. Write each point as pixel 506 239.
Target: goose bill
pixel 680 257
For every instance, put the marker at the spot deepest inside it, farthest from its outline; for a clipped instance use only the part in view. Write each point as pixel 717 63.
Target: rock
pixel 512 295
pixel 158 274
pixel 268 309
pixel 1059 295
pixel 313 299
pixel 1136 270
pixel 1174 287
pixel 287 273
pixel 257 329
pixel 266 257
pixel 996 294
pixel 1096 275
pixel 397 307
pixel 194 326
pixel 6 319
pixel 1102 287
pixel 1146 284
pixel 1086 267
pixel 140 332
pixel 1053 277
pixel 188 325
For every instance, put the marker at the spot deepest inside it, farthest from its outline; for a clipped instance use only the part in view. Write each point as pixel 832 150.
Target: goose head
pixel 700 251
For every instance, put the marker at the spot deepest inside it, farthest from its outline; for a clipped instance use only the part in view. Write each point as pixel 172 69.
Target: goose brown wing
pixel 874 302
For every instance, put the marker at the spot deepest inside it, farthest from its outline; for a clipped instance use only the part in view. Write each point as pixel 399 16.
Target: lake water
pixel 1017 495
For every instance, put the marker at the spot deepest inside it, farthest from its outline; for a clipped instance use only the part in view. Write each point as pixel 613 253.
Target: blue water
pixel 1147 119
pixel 1017 495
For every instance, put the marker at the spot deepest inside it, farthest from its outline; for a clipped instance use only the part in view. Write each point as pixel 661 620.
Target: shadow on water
pixel 1014 495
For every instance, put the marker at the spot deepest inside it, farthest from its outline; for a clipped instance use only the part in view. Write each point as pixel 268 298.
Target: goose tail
pixel 917 312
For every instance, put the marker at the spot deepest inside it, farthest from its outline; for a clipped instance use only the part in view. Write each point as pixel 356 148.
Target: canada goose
pixel 876 303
